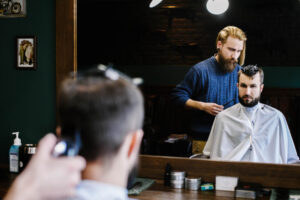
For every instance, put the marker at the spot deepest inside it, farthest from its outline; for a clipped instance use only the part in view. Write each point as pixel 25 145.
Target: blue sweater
pixel 206 82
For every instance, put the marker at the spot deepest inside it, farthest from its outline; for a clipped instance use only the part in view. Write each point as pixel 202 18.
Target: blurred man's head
pixel 108 112
pixel 231 46
pixel 250 85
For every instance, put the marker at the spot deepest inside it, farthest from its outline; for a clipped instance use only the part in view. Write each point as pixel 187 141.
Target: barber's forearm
pixel 210 108
pixel 194 104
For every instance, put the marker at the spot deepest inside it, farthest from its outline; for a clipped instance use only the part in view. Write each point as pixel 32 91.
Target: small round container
pixel 177 179
pixel 177 184
pixel 177 175
pixel 30 149
pixel 27 152
pixel 192 183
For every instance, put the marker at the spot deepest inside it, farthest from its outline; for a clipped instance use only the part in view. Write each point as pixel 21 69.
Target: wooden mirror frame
pixel 66 40
pixel 272 175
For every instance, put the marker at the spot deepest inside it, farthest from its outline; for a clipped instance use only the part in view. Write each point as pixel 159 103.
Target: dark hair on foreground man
pixel 107 110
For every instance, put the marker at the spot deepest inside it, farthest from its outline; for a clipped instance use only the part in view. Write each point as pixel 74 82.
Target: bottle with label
pixel 14 154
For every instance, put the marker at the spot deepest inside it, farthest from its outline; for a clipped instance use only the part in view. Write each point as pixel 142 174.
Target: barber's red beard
pixel 227 65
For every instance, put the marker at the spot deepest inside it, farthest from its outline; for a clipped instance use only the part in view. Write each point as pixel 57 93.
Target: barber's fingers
pixel 74 164
pixel 46 145
pixel 214 113
pixel 218 107
pixel 69 175
pixel 59 174
pixel 76 177
pixel 64 184
pixel 68 170
pixel 45 148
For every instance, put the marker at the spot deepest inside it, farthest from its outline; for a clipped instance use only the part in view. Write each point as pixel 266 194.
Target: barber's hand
pixel 47 177
pixel 212 108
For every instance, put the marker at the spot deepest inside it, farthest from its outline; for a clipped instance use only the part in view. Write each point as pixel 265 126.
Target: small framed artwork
pixel 12 8
pixel 26 52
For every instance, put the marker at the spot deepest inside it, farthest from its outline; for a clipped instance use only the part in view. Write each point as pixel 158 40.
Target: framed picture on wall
pixel 26 52
pixel 12 8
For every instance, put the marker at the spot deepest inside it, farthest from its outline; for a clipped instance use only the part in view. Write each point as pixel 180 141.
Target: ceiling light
pixel 155 3
pixel 217 7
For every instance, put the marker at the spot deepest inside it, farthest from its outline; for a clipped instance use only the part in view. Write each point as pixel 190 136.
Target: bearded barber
pixel 210 86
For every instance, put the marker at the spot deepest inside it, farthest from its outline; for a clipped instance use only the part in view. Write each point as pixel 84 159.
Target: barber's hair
pixel 102 110
pixel 250 71
pixel 234 32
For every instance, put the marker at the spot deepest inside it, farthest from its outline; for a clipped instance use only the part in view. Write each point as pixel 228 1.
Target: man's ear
pixel 237 85
pixel 131 144
pixel 261 87
pixel 219 44
pixel 135 142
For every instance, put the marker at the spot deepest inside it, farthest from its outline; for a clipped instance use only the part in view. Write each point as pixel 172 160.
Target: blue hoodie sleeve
pixel 187 88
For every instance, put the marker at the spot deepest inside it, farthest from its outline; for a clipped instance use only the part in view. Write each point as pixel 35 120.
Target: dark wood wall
pixel 182 32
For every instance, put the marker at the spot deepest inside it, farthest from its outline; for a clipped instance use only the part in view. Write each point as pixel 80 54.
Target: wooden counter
pixel 268 175
pixel 160 192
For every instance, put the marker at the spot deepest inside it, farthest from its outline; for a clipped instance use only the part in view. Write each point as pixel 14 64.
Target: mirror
pixel 173 36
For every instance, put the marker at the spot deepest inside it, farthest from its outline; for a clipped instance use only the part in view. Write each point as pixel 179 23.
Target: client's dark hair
pixel 102 110
pixel 251 70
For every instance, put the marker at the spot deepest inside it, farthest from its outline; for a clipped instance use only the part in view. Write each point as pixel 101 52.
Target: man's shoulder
pixel 89 190
pixel 211 63
pixel 271 110
pixel 238 68
pixel 203 65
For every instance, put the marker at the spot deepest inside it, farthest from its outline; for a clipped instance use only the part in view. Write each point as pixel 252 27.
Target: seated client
pixel 250 130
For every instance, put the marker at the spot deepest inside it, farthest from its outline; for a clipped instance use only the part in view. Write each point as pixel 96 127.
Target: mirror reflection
pixel 250 130
pixel 164 43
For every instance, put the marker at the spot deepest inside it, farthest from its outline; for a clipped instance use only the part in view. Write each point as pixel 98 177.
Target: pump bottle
pixel 14 156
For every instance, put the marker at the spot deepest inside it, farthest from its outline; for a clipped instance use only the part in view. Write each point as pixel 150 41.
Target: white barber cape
pixel 257 134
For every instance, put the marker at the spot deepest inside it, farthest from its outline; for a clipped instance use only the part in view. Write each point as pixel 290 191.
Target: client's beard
pixel 227 65
pixel 254 102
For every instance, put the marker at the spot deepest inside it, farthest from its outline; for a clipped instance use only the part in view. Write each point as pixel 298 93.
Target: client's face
pixel 250 89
